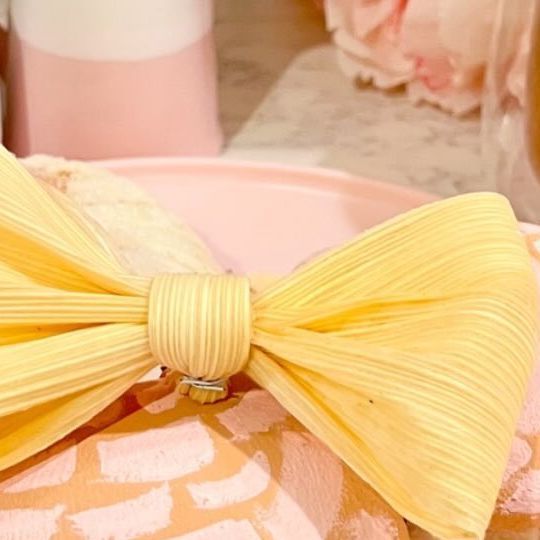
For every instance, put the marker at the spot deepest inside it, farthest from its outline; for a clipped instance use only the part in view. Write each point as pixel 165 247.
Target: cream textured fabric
pixel 146 237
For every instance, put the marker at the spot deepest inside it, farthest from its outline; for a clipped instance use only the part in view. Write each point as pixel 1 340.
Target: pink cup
pixel 92 79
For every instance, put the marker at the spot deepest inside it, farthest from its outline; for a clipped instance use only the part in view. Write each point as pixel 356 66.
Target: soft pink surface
pixel 146 514
pixel 307 503
pixel 526 497
pixel 54 471
pixel 101 109
pixel 164 404
pixel 520 455
pixel 249 482
pixel 157 454
pixel 366 526
pixel 267 218
pixel 30 524
pixel 241 421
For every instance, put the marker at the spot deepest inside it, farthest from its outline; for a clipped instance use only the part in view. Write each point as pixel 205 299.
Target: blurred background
pixel 423 93
pixel 284 97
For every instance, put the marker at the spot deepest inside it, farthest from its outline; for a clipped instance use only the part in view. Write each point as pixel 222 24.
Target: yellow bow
pixel 407 351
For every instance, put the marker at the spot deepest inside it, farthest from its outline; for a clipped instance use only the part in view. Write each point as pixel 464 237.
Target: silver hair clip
pixel 215 386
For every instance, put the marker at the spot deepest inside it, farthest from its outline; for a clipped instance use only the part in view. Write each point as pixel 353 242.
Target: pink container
pixel 99 79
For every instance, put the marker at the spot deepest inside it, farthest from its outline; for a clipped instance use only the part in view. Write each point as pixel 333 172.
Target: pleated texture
pixel 407 351
pixel 184 311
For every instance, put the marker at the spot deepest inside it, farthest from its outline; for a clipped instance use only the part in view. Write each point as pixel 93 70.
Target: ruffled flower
pixel 366 33
pixel 438 48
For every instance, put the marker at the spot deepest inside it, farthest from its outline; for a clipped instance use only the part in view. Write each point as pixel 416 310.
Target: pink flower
pixel 450 42
pixel 438 48
pixel 366 33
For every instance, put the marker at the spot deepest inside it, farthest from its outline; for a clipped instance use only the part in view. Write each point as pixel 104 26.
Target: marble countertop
pixel 283 99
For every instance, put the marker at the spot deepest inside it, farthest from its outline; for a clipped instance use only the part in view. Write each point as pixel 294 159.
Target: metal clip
pixel 215 386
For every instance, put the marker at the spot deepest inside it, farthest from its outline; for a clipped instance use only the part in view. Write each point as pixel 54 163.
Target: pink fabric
pixel 89 109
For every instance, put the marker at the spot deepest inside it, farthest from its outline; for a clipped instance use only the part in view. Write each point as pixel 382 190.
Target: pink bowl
pixel 266 218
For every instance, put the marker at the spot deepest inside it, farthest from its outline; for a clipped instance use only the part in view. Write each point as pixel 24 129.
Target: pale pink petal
pixel 363 526
pixel 143 515
pixel 435 67
pixel 466 28
pixel 366 34
pixel 459 29
pixel 360 17
pixel 29 523
pixel 54 471
pixel 155 455
pixel 227 529
pixel 526 497
pixel 252 479
pixel 419 33
pixel 520 455
pixel 337 13
pixel 310 490
pixel 366 16
pixel 257 412
pixel 452 44
pixel 381 62
pixel 456 101
pixel 435 73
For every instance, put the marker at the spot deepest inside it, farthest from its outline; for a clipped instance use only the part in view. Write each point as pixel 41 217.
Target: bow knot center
pixel 200 325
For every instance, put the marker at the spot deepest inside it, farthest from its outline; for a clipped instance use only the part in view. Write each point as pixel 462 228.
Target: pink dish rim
pixel 312 177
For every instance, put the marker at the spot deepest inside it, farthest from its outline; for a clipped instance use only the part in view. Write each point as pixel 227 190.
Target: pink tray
pixel 266 218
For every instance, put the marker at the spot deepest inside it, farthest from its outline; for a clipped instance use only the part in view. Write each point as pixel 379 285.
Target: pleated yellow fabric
pixel 407 351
